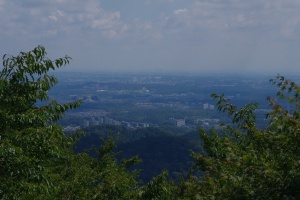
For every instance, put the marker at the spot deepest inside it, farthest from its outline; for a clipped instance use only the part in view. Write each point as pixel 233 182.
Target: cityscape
pixel 139 101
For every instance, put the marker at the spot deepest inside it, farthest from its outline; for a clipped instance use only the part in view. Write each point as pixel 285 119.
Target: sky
pixel 182 36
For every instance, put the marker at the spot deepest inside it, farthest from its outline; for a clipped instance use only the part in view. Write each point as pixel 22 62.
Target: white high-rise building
pixel 205 106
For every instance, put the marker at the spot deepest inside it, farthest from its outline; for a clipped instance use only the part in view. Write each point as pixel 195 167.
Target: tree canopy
pixel 36 158
pixel 242 162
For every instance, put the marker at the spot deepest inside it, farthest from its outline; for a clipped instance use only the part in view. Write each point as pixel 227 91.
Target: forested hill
pixel 159 148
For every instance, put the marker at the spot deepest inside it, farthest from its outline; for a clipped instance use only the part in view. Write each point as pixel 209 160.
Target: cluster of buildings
pixel 94 121
pixel 89 113
pixel 178 122
pixel 71 128
pixel 208 106
pixel 206 123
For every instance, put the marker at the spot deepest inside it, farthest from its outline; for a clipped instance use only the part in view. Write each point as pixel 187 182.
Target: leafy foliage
pixel 159 188
pixel 36 158
pixel 100 178
pixel 242 162
pixel 32 146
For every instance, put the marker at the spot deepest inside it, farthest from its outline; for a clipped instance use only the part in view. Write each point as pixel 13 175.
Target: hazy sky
pixel 158 35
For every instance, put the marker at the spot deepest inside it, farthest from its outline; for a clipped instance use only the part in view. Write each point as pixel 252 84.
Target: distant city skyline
pixel 168 36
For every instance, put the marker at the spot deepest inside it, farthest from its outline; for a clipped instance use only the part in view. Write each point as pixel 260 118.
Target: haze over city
pixel 192 36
